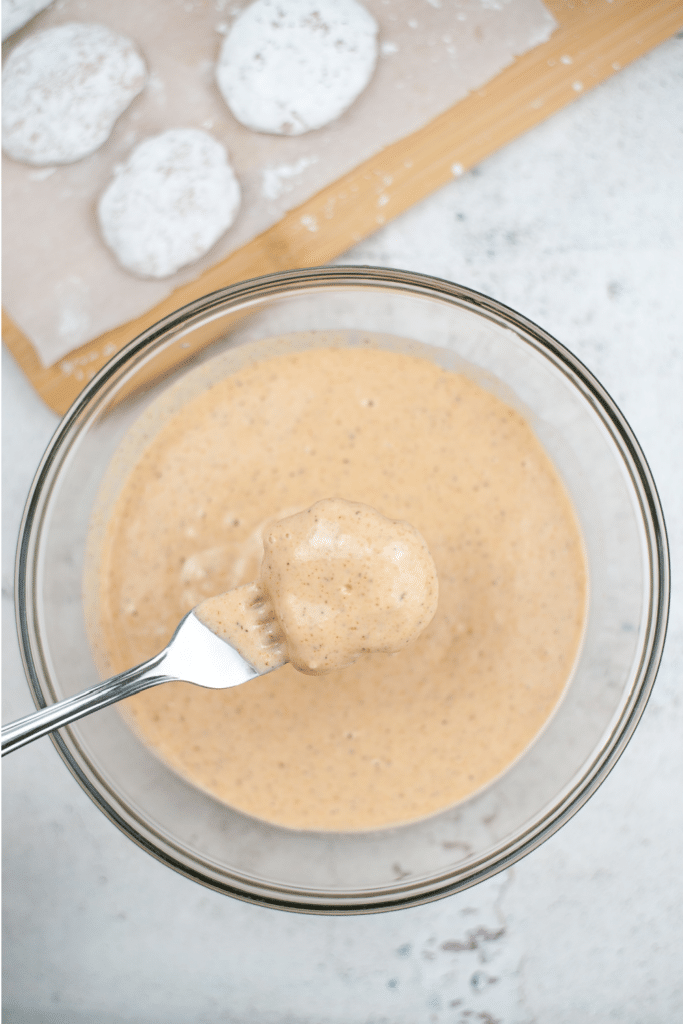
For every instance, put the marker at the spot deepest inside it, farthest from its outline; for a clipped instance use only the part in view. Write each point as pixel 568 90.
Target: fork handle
pixel 38 723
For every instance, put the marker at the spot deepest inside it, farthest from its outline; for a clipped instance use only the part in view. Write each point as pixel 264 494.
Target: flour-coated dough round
pixel 16 13
pixel 169 203
pixel 288 66
pixel 63 89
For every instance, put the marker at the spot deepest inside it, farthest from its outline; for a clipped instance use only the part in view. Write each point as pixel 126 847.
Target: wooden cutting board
pixel 600 36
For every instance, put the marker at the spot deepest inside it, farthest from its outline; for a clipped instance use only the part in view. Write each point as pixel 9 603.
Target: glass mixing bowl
pixel 603 470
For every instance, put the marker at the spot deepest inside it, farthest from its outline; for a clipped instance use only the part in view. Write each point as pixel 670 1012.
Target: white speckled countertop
pixel 579 225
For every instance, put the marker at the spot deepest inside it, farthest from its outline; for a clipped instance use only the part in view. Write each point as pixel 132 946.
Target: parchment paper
pixel 61 284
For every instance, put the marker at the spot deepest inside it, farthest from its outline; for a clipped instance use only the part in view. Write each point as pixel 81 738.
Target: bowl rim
pixel 301 281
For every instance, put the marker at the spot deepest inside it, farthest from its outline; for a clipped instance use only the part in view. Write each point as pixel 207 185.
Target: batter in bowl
pixel 388 739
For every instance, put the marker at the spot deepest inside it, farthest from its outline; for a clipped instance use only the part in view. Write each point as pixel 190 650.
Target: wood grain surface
pixel 600 36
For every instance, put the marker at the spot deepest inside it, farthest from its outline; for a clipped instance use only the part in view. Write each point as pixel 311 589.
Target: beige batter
pixel 244 618
pixel 387 739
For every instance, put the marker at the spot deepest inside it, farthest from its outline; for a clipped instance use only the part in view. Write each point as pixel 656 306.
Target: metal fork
pixel 195 654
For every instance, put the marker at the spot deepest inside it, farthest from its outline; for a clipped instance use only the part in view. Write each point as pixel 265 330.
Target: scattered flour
pixel 388 49
pixel 169 203
pixel 278 180
pixel 63 90
pixel 16 13
pixel 289 66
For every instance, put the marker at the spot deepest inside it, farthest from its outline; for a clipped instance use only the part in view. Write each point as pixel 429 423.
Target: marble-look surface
pixel 579 225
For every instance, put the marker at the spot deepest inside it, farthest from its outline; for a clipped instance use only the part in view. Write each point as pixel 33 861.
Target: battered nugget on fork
pixel 339 580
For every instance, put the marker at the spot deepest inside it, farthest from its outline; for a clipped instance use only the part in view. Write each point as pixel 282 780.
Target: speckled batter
pixel 388 739
pixel 245 619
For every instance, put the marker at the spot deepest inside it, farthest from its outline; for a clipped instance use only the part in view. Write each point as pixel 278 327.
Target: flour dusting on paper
pixel 278 180
pixel 61 285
